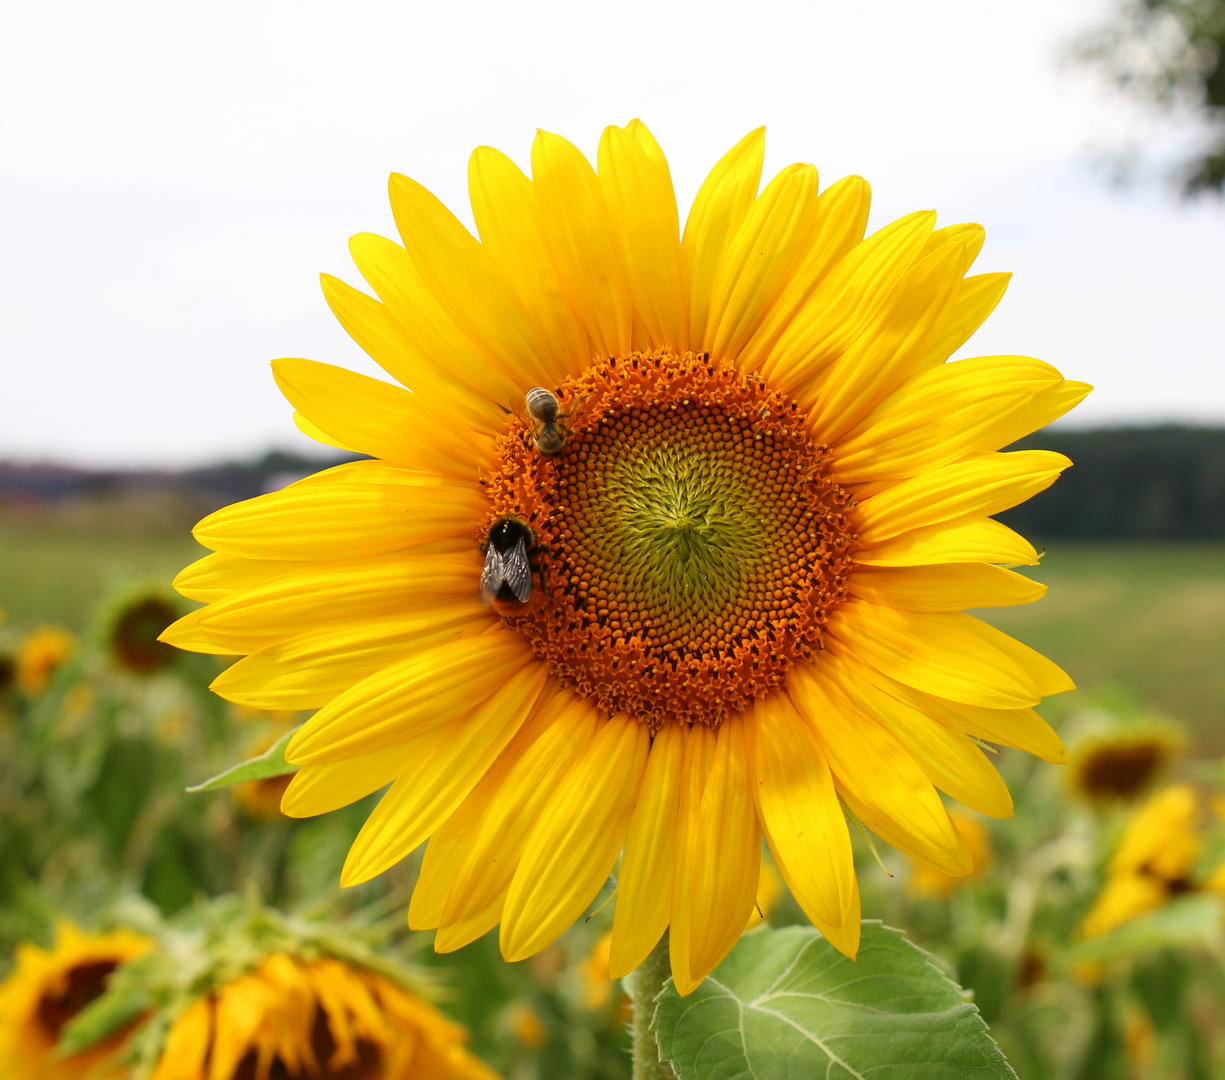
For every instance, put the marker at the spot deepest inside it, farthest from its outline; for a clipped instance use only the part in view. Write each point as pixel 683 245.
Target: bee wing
pixel 491 575
pixel 517 571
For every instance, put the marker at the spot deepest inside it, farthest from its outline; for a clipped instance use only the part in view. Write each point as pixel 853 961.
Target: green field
pixel 1148 618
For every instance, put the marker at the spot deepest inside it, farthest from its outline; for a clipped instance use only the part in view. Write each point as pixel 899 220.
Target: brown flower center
pixel 81 985
pixel 693 544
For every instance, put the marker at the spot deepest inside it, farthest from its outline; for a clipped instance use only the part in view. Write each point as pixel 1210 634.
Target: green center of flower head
pixel 695 545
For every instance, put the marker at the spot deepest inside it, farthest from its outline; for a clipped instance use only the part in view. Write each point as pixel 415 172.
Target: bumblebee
pixel 510 551
pixel 549 426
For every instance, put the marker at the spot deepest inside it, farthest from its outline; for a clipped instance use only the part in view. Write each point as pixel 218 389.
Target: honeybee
pixel 510 552
pixel 548 425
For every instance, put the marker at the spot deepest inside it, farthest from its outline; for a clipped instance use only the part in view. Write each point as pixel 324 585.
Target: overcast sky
pixel 174 177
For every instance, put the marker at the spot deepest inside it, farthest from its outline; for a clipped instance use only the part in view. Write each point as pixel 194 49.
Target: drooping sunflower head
pixel 1120 765
pixel 41 652
pixel 727 500
pixel 129 628
pixel 320 1018
pixel 1155 860
pixel 46 989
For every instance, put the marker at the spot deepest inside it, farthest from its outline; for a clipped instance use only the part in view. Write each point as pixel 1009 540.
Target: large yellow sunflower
pixel 748 562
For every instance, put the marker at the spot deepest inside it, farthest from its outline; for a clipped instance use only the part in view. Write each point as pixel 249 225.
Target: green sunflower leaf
pixel 786 1004
pixel 115 1009
pixel 270 763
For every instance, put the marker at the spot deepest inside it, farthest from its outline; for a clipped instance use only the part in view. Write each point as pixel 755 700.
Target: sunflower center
pixel 692 543
pixel 81 985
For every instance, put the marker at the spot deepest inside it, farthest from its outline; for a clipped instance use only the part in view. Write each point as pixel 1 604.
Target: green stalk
pixel 648 981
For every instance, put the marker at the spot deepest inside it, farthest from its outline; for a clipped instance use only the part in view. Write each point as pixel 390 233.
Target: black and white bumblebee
pixel 510 552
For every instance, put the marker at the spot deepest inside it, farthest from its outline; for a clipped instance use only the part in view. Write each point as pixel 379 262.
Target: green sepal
pixel 270 763
pixel 787 1003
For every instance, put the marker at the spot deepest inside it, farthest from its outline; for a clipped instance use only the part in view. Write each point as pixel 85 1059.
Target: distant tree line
pixel 1129 483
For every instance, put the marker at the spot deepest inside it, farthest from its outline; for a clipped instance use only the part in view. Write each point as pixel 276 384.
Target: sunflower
pixel 1154 862
pixel 316 1019
pixel 41 652
pixel 46 989
pixel 1119 765
pixel 740 517
pixel 131 629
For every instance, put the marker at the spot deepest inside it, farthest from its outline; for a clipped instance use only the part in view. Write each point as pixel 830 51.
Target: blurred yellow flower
pixel 926 880
pixel 1120 765
pixel 318 1019
pixel 42 651
pixel 1154 860
pixel 526 1026
pixel 597 985
pixel 46 989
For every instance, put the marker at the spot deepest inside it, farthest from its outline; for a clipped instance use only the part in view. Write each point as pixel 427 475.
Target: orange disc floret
pixel 693 544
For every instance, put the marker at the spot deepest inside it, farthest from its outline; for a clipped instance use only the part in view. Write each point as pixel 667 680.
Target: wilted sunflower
pixel 41 652
pixel 1155 860
pixel 315 1019
pixel 46 989
pixel 748 526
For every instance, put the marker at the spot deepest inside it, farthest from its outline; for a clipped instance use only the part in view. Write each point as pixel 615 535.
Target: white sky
pixel 173 177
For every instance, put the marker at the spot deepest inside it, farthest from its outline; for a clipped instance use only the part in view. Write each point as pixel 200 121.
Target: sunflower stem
pixel 648 981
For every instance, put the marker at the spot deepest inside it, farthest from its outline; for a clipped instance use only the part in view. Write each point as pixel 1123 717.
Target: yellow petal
pixel 336 593
pixel 576 227
pixel 637 189
pixel 952 587
pixel 427 690
pixel 715 881
pixel 472 904
pixel 217 576
pixel 973 300
pixel 644 884
pixel 760 259
pixel 969 233
pixel 972 538
pixel 799 811
pixel 416 356
pixel 308 670
pixel 1047 676
pixel 187 1044
pixel 462 276
pixel 1043 408
pixel 347 520
pixel 982 484
pixel 879 779
pixel 416 806
pixel 1023 729
pixel 379 419
pixel 319 435
pixel 451 843
pixel 507 215
pixel 320 789
pixel 937 653
pixel 842 216
pixel 949 759
pixel 939 416
pixel 718 210
pixel 574 845
pixel 846 302
pixel 187 634
pixel 892 347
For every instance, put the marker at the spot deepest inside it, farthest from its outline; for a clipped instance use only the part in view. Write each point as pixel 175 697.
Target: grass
pixel 1149 618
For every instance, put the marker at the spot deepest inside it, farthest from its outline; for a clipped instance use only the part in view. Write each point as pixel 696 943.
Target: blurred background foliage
pixel 1168 53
